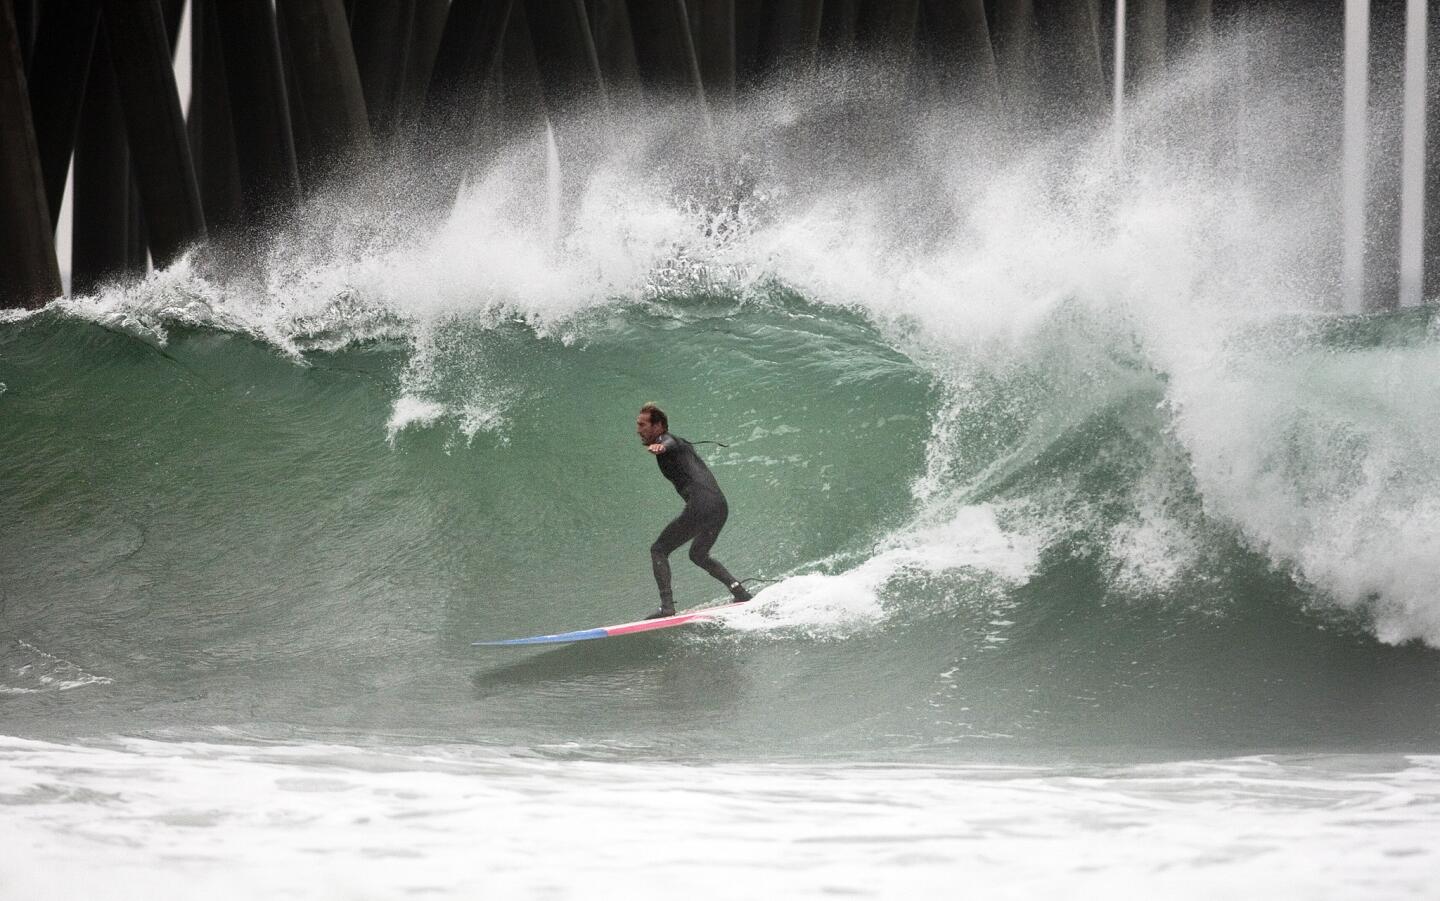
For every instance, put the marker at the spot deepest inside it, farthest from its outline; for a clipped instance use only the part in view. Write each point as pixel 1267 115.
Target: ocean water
pixel 1098 554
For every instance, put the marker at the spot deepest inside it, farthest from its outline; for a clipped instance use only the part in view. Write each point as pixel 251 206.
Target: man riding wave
pixel 704 514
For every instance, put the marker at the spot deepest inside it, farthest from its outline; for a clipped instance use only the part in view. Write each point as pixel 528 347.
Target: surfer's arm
pixel 664 444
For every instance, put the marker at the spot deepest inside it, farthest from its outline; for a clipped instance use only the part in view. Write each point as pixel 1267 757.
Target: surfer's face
pixel 647 430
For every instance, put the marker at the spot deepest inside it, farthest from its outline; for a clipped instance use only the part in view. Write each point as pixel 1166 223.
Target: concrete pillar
pixel 1412 165
pixel 1145 38
pixel 664 49
pixel 259 110
pixel 1382 217
pixel 381 34
pixel 791 37
pixel 1012 29
pixel 959 44
pixel 426 31
pixel 1074 84
pixel 27 16
pixel 466 62
pixel 615 46
pixel 523 95
pixel 328 97
pixel 137 250
pixel 750 62
pixel 565 56
pixel 1192 24
pixel 212 133
pixel 64 43
pixel 29 273
pixel 887 28
pixel 715 46
pixel 159 147
pixel 173 11
pixel 101 207
pixel 837 27
pixel 1432 161
pixel 299 122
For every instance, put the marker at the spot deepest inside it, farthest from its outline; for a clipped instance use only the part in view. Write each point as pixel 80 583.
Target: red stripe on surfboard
pixel 645 625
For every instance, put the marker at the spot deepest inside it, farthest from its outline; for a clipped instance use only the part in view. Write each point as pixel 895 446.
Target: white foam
pixel 1327 462
pixel 145 819
pixel 411 412
pixel 969 541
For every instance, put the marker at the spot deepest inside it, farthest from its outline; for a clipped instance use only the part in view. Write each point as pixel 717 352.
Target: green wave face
pixel 1045 450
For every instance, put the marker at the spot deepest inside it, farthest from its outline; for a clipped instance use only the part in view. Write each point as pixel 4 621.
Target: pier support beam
pixel 664 49
pixel 212 134
pixel 100 239
pixel 750 61
pixel 64 44
pixel 1145 40
pixel 1432 162
pixel 791 37
pixel 1192 25
pixel 27 15
pixel 465 65
pixel 1074 83
pixel 1383 195
pixel 959 43
pixel 159 146
pixel 523 97
pixel 259 110
pixel 715 45
pixel 615 46
pixel 1412 163
pixel 173 11
pixel 565 54
pixel 381 32
pixel 426 32
pixel 29 272
pixel 328 97
pixel 1013 31
pixel 887 27
pixel 837 27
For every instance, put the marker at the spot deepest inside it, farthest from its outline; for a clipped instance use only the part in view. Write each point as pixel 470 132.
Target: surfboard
pixel 702 615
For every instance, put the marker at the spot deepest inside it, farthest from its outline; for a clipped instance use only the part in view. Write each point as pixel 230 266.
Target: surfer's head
pixel 651 423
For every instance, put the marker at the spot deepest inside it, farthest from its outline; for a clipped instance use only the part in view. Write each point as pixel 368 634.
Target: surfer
pixel 704 514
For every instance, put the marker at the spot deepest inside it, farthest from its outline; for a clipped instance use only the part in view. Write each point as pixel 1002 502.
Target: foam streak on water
pixel 152 819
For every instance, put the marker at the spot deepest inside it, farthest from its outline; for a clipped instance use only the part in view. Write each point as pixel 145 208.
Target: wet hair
pixel 657 415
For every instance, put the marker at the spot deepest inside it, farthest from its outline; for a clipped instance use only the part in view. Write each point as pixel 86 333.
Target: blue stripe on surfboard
pixel 703 614
pixel 558 638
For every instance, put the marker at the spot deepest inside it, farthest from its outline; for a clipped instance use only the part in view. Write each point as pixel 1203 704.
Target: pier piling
pixel 29 271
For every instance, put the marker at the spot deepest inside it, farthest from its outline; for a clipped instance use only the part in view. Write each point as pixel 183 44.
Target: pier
pixel 282 95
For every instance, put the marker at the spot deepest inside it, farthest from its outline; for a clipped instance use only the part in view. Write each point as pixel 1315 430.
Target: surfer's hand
pixel 656 448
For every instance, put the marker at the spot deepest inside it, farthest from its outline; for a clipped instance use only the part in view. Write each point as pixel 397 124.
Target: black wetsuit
pixel 702 519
